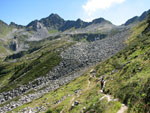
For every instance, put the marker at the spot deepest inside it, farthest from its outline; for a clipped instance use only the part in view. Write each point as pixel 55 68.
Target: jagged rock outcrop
pixel 81 24
pixel 73 24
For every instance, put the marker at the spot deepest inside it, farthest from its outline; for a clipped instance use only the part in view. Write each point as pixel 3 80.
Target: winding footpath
pixel 123 108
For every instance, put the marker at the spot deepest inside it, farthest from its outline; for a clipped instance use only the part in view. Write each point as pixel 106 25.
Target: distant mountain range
pixel 55 22
pixel 55 25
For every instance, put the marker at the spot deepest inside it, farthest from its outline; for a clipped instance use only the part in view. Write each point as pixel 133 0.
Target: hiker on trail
pixel 102 83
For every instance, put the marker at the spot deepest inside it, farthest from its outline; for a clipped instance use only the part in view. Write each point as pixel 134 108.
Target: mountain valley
pixel 54 65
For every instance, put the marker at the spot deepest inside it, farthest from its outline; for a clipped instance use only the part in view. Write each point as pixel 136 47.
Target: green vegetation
pixel 137 30
pixel 3 50
pixel 38 67
pixel 30 66
pixel 128 72
pixel 4 29
pixel 84 89
pixel 52 31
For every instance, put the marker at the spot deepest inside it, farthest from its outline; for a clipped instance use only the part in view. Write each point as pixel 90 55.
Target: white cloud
pixel 94 5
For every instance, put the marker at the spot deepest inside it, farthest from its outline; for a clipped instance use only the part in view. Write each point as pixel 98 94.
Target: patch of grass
pixel 49 111
pixel 52 31
pixel 3 51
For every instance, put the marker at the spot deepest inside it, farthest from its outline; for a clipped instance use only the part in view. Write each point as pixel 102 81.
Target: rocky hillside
pixel 126 76
pixel 59 65
pixel 51 60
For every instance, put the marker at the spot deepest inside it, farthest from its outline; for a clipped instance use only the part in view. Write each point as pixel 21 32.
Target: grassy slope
pixel 3 51
pixel 52 31
pixel 4 29
pixel 31 66
pixel 88 97
pixel 128 72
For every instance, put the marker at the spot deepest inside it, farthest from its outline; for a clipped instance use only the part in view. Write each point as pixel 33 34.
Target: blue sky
pixel 117 11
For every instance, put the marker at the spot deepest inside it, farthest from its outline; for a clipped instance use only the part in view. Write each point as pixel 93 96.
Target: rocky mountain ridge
pixel 55 22
pixel 137 19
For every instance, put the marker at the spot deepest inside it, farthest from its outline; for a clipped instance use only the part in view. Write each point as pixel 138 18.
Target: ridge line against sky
pixel 117 11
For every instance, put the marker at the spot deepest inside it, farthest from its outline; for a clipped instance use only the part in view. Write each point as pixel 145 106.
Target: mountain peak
pixel 13 24
pixel 79 20
pixel 3 23
pixel 54 15
pixel 53 21
pixel 100 20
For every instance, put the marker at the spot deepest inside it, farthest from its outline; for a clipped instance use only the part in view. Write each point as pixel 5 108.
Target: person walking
pixel 102 84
